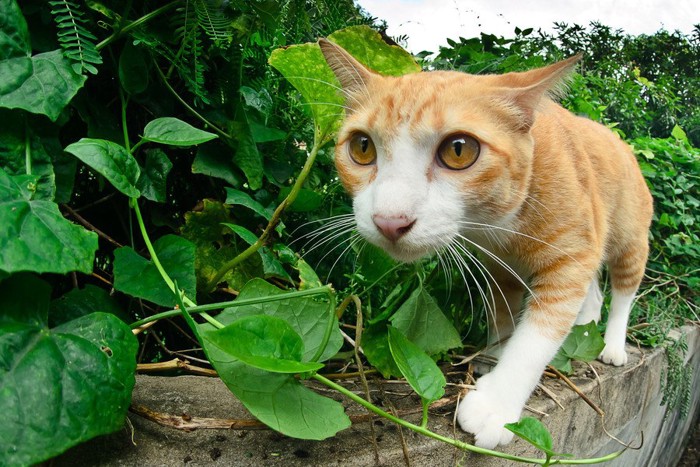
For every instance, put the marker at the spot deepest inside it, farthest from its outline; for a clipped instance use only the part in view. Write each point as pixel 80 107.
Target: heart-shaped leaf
pixel 136 276
pixel 61 386
pixel 36 236
pixel 263 342
pixel 152 182
pixel 174 132
pixel 417 367
pixel 110 160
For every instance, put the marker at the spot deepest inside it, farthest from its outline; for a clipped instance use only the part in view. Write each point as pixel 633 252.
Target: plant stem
pixel 274 220
pixel 189 107
pixel 136 23
pixel 27 149
pixel 451 441
pixel 232 303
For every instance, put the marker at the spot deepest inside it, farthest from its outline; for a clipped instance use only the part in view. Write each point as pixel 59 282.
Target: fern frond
pixel 76 40
pixel 214 20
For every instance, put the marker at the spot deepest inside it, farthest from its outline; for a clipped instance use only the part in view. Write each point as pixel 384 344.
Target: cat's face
pixel 430 156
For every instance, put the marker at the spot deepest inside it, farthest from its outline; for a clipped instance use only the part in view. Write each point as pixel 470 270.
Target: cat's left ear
pixel 353 75
pixel 527 89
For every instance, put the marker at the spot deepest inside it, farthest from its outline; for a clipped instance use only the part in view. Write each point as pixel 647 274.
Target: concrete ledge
pixel 630 397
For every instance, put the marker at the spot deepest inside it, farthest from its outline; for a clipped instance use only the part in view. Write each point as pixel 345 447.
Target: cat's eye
pixel 361 149
pixel 458 151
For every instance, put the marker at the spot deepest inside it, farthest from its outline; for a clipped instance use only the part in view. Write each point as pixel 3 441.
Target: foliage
pixel 172 125
pixel 583 344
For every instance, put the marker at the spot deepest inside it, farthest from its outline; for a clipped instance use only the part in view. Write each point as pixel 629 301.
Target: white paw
pixel 613 355
pixel 483 412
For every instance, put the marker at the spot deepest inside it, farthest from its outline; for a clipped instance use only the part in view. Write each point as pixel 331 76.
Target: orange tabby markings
pixel 549 195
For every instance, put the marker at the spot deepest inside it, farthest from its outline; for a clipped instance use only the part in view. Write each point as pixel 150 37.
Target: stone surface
pixel 630 397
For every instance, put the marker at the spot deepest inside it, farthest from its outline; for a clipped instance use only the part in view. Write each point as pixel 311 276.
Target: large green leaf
pixel 306 69
pixel 36 237
pixel 152 182
pixel 237 197
pixel 271 265
pixel 216 160
pixel 263 342
pixel 279 400
pixel 112 161
pixel 421 320
pixel 61 386
pixel 42 84
pixel 247 157
pixel 22 136
pixel 139 277
pixel 376 346
pixel 14 35
pixel 175 132
pixel 308 316
pixel 417 367
pixel 584 343
pixel 81 302
pixel 133 68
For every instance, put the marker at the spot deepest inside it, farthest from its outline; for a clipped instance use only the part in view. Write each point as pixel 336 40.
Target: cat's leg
pixel 590 310
pixel 626 273
pixel 500 395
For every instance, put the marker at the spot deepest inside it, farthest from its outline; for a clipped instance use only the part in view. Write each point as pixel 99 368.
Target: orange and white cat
pixel 438 160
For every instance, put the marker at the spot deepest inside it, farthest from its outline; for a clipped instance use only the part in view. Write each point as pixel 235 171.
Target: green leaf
pixel 237 197
pixel 36 236
pixel 679 134
pixel 14 35
pixel 534 432
pixel 81 302
pixel 374 262
pixel 133 68
pixel 306 69
pixel 416 366
pixel 306 200
pixel 205 228
pixel 308 316
pixel 421 320
pixel 17 130
pixel 263 342
pixel 308 279
pixel 279 400
pixel 216 160
pixel 271 265
pixel 584 343
pixel 370 49
pixel 375 343
pixel 152 182
pixel 110 160
pixel 43 84
pixel 247 157
pixel 58 387
pixel 140 278
pixel 175 132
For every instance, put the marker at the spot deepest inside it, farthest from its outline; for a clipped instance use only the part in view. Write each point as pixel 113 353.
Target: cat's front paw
pixel 484 412
pixel 613 355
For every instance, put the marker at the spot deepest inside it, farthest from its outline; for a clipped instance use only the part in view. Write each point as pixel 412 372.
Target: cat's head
pixel 425 154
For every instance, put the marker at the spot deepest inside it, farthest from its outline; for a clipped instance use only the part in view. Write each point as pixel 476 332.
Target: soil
pixel 691 456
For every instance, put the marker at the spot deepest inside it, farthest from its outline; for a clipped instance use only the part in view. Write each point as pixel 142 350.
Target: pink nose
pixel 392 227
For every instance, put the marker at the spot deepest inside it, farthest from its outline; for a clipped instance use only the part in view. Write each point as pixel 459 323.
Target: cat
pixel 439 159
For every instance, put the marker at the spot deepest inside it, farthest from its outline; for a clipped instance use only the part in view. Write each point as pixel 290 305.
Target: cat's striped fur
pixel 549 198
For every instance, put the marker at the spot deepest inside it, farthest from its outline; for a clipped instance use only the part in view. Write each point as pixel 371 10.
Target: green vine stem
pixel 274 220
pixel 27 148
pixel 136 23
pixel 456 443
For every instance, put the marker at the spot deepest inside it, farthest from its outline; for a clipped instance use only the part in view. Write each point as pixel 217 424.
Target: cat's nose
pixel 393 227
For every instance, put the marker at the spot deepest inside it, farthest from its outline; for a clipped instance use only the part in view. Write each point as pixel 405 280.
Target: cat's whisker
pixel 489 280
pixel 330 238
pixel 331 226
pixel 325 219
pixel 353 241
pixel 461 266
pixel 515 232
pixel 490 305
pixel 503 264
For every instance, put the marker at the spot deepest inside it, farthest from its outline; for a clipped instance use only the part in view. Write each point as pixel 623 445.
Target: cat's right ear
pixel 353 75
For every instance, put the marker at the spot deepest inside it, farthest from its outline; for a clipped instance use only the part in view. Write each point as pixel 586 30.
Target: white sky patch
pixel 428 23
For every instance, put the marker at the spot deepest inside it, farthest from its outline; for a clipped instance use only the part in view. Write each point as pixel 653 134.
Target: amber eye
pixel 362 149
pixel 458 151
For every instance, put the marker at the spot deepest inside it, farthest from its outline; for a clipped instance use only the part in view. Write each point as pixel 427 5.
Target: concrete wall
pixel 630 397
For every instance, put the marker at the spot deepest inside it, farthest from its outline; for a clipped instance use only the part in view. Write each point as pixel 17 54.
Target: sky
pixel 428 23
